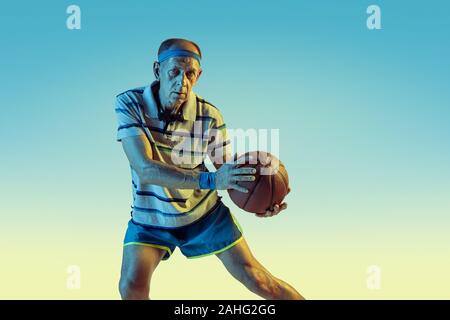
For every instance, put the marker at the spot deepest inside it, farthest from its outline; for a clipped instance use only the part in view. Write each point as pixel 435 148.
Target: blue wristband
pixel 207 180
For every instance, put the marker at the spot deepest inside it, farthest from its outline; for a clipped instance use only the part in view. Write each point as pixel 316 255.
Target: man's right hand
pixel 228 175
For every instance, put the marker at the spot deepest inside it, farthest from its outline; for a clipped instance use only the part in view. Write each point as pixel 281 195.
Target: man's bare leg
pixel 138 264
pixel 243 266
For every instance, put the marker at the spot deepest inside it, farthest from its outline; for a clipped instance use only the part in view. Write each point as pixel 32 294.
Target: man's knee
pixel 133 289
pixel 261 281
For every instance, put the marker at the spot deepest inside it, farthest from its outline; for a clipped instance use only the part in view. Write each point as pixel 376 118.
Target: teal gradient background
pixel 364 128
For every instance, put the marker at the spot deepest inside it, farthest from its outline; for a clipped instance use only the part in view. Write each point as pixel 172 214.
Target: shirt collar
pixel 189 108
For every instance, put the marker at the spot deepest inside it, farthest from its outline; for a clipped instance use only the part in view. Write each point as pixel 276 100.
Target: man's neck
pixel 157 97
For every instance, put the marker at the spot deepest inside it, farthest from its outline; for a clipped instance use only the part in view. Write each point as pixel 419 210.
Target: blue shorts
pixel 213 233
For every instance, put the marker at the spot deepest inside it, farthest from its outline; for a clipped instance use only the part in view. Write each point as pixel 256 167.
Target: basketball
pixel 269 187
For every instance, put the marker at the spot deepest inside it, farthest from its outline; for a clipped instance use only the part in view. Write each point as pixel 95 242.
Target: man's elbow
pixel 145 172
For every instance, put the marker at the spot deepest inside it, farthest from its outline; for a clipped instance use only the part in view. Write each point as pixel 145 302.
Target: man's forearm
pixel 166 175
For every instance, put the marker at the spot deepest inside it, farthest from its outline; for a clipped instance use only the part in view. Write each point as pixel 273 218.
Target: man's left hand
pixel 274 210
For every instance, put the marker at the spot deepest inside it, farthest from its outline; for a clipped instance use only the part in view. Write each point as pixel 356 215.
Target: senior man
pixel 175 203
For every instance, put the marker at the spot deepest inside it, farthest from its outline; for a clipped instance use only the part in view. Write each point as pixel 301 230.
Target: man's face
pixel 177 76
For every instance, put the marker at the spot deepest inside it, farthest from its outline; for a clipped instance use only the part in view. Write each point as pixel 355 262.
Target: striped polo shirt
pixel 198 132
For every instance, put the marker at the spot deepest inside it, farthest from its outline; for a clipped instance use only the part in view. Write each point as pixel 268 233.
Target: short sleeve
pixel 219 144
pixel 128 120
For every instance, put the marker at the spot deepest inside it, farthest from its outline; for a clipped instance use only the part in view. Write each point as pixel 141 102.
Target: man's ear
pixel 156 70
pixel 199 74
